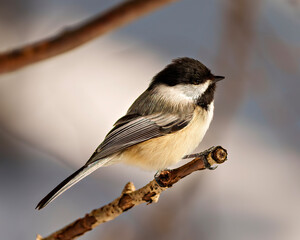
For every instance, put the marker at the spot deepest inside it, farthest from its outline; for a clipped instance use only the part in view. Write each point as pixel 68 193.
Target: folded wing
pixel 133 129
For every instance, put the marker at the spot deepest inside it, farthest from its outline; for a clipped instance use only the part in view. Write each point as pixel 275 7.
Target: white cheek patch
pixel 183 92
pixel 192 91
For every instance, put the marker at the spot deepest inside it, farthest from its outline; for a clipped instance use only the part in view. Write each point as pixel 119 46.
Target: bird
pixel 164 124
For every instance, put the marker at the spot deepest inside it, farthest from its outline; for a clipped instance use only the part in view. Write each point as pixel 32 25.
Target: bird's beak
pixel 218 78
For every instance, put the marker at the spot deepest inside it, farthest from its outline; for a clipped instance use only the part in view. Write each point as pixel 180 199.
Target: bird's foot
pixel 208 166
pixel 205 160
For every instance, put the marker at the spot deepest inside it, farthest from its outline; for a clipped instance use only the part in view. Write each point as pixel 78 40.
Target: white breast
pixel 161 152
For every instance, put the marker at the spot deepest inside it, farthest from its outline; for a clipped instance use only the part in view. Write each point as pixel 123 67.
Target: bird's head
pixel 187 77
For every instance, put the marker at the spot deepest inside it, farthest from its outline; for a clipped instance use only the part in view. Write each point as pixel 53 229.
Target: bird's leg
pixel 194 155
pixel 206 163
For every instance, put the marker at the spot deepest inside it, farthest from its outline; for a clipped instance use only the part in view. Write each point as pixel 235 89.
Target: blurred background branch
pixel 236 43
pixel 75 36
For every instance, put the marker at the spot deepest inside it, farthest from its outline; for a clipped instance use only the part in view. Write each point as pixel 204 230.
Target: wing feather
pixel 133 129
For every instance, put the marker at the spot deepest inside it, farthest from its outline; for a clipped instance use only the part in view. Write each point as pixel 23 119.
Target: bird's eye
pixel 195 82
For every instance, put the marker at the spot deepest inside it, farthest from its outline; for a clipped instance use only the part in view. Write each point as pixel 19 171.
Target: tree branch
pixel 75 36
pixel 131 197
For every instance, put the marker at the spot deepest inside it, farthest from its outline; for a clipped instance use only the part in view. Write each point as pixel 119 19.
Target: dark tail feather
pixel 69 182
pixel 59 189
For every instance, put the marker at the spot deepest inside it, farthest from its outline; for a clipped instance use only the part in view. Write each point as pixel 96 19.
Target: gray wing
pixel 133 129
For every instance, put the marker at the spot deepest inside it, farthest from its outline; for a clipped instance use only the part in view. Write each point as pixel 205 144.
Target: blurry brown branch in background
pixel 234 54
pixel 131 197
pixel 75 36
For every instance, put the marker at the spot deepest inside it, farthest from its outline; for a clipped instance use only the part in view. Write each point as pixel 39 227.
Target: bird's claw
pixel 208 166
pixel 212 167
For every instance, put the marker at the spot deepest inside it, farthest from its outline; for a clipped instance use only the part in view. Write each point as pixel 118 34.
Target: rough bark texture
pixel 75 36
pixel 131 197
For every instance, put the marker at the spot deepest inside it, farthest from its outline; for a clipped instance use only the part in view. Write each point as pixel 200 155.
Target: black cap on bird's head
pixel 184 71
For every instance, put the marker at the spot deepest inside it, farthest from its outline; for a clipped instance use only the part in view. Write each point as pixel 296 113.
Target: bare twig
pixel 75 36
pixel 131 197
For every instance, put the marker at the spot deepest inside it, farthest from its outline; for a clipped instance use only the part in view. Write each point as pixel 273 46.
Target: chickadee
pixel 164 123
